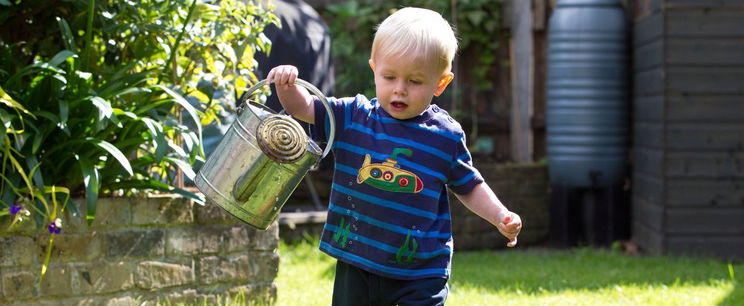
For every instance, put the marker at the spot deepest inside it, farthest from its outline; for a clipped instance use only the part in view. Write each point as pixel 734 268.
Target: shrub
pixel 97 106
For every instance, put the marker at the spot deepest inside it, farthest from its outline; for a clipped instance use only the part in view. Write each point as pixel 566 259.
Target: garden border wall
pixel 163 249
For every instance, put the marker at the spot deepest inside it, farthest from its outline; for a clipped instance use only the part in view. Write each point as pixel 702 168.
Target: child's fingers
pixel 510 232
pixel 287 75
pixel 270 76
pixel 284 75
pixel 510 228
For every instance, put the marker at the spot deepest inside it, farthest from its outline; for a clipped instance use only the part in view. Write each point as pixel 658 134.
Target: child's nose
pixel 400 89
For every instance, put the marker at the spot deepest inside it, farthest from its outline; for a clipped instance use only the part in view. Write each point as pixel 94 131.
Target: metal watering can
pixel 260 161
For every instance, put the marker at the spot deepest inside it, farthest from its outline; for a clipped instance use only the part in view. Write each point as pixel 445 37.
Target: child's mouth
pixel 398 106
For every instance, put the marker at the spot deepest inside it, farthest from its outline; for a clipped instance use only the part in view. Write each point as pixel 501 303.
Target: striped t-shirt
pixel 388 212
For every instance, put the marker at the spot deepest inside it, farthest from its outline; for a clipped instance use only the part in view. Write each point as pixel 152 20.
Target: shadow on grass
pixel 538 271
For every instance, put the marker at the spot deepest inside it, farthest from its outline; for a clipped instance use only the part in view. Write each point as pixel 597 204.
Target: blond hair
pixel 419 33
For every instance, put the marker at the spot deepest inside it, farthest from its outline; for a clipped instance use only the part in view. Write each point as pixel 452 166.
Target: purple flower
pixel 55 227
pixel 14 209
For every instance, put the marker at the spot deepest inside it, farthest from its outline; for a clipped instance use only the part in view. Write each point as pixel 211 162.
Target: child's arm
pixel 483 202
pixel 295 99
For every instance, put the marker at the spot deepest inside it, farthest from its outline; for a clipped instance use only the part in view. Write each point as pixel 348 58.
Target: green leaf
pixel 91 180
pixel 19 169
pixel 104 107
pixel 74 208
pixel 64 113
pixel 114 151
pixel 7 100
pixel 187 106
pixel 184 166
pixel 158 137
pixel 156 185
pixel 61 57
pixel 67 36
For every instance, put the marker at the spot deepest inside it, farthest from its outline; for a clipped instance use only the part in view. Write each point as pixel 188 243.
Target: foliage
pixel 352 24
pixel 97 106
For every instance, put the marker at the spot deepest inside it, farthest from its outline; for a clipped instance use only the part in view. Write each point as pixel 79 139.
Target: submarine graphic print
pixel 388 176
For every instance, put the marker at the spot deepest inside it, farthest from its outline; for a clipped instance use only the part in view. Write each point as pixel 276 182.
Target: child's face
pixel 406 85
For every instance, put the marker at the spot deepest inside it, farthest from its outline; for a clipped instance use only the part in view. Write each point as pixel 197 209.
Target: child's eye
pixel 415 82
pixel 388 77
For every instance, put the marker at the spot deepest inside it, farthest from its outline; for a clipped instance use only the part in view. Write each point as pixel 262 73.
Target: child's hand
pixel 510 227
pixel 284 76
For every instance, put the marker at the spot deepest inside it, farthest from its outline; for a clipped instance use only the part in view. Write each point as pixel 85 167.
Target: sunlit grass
pixel 540 277
pixel 305 275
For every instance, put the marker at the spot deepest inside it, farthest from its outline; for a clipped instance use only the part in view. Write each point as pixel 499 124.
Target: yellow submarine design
pixel 388 175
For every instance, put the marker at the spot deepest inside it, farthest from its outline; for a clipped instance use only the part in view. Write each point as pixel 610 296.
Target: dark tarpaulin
pixel 303 41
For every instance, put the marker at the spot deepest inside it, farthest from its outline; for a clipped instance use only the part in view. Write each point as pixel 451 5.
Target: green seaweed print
pixel 404 248
pixel 342 233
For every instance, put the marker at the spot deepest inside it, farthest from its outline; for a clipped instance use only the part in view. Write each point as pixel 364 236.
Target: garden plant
pixel 101 98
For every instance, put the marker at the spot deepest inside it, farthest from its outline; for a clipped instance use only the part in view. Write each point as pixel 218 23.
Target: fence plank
pixel 712 165
pixel 709 220
pixel 705 192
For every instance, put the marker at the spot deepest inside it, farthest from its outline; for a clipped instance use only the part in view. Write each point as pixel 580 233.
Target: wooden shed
pixel 688 125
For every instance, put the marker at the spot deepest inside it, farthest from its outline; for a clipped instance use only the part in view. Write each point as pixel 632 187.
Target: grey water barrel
pixel 587 107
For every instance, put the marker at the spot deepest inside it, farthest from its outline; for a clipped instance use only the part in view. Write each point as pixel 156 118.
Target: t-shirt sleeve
pixel 322 127
pixel 464 176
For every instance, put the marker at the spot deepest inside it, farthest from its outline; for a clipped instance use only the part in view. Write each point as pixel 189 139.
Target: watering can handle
pixel 315 91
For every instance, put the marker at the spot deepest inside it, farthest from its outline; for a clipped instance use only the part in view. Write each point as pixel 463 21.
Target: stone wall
pixel 524 189
pixel 164 250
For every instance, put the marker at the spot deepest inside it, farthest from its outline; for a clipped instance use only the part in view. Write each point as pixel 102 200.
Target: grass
pixel 541 277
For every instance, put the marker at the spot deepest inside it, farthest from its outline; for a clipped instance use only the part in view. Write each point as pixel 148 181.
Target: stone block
pixel 162 210
pixel 19 284
pixel 253 267
pixel 59 281
pixel 134 243
pixel 24 226
pixel 265 240
pixel 112 212
pixel 73 247
pixel 212 239
pixel 238 238
pixel 265 267
pixel 152 275
pixel 218 269
pixel 185 297
pixel 211 213
pixel 184 241
pixel 76 301
pixel 17 251
pixel 118 301
pixel 105 277
pixel 75 223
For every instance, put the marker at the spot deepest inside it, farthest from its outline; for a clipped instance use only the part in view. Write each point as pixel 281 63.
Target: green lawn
pixel 541 277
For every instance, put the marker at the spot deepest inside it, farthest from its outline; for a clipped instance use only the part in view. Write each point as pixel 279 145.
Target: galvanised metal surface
pixel 260 161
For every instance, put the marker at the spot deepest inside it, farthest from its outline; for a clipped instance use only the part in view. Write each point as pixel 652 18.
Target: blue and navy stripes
pixel 396 234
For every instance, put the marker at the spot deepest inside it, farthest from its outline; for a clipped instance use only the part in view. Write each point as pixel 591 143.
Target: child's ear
pixel 372 64
pixel 443 82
